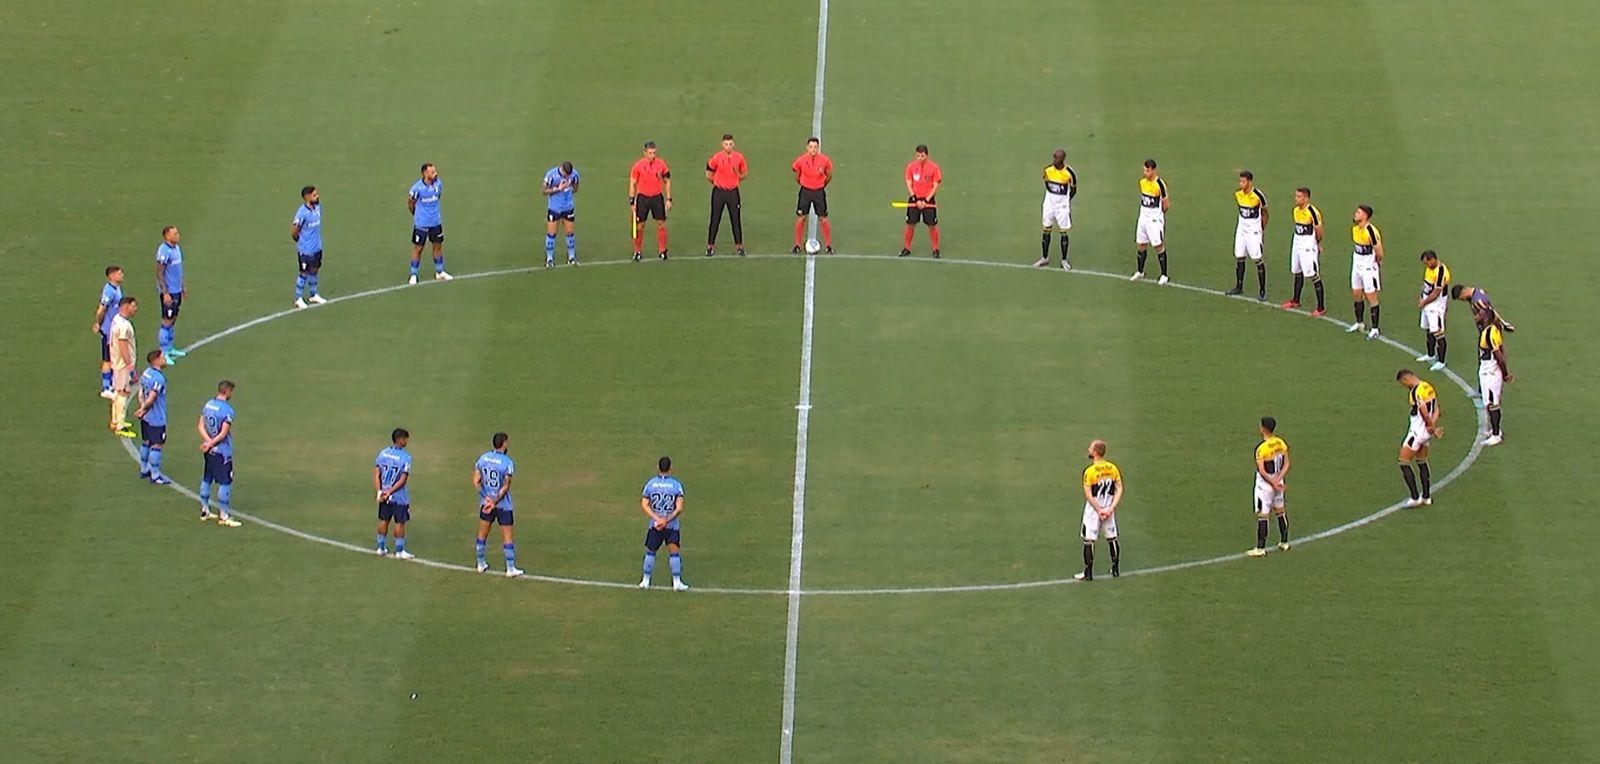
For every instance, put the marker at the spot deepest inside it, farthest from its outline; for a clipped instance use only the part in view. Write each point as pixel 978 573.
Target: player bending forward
pixel 1102 493
pixel 1424 427
pixel 1272 469
pixel 1492 371
pixel 662 503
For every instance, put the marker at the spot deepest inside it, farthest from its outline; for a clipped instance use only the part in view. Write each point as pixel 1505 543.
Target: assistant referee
pixel 724 170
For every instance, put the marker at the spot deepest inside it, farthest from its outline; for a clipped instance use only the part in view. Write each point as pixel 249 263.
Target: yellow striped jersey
pixel 1436 277
pixel 1151 192
pixel 1423 398
pixel 1306 219
pixel 1366 238
pixel 1059 181
pixel 1273 451
pixel 1251 203
pixel 1101 479
pixel 1489 340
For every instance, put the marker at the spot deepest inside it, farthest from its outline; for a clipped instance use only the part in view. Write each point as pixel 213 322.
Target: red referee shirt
pixel 922 176
pixel 725 169
pixel 813 170
pixel 647 174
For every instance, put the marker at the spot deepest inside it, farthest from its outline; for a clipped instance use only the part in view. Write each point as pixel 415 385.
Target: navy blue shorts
pixel 388 510
pixel 434 234
pixel 169 310
pixel 311 262
pixel 497 515
pixel 152 434
pixel 105 347
pixel 551 216
pixel 653 538
pixel 219 468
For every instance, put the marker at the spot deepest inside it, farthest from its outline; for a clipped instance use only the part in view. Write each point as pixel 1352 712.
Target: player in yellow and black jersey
pixel 1433 304
pixel 1421 430
pixel 1153 205
pixel 1102 494
pixel 1060 185
pixel 1272 468
pixel 1248 234
pixel 1366 265
pixel 1493 373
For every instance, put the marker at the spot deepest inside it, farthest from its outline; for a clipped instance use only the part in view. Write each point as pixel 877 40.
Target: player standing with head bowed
pixel 104 312
pixel 391 479
pixel 1492 371
pixel 1272 469
pixel 560 184
pixel 662 503
pixel 1366 266
pixel 1433 304
pixel 923 179
pixel 1423 428
pixel 172 288
pixel 650 196
pixel 427 225
pixel 1151 230
pixel 152 416
pixel 1060 185
pixel 1249 234
pixel 216 443
pixel 724 170
pixel 491 476
pixel 1102 494
pixel 813 170
pixel 1477 298
pixel 306 230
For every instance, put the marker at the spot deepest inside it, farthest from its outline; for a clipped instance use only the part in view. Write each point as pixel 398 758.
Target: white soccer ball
pixel 813 246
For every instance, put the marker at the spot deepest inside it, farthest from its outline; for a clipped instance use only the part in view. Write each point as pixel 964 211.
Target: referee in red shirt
pixel 813 170
pixel 724 170
pixel 922 182
pixel 650 196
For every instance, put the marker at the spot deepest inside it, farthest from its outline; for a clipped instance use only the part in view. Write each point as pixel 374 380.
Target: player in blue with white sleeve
pixel 560 183
pixel 426 223
pixel 110 301
pixel 172 287
pixel 306 230
pixel 391 477
pixel 152 416
pixel 216 442
pixel 491 476
pixel 662 502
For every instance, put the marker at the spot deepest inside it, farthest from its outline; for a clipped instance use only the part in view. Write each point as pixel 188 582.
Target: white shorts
pixel 1365 278
pixel 1267 499
pixel 1489 382
pixel 1058 211
pixel 1304 259
pixel 1093 525
pixel 1433 317
pixel 122 379
pixel 1247 243
pixel 1151 229
pixel 1417 437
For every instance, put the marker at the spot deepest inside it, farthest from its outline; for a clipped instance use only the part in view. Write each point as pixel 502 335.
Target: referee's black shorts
pixel 926 215
pixel 812 199
pixel 646 207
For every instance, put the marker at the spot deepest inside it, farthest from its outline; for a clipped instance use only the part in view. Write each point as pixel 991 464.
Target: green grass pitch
pixel 950 401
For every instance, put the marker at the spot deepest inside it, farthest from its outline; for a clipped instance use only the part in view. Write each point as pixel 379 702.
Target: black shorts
pixel 152 434
pixel 105 347
pixel 218 469
pixel 551 216
pixel 169 310
pixel 926 215
pixel 645 207
pixel 388 510
pixel 497 515
pixel 311 262
pixel 654 538
pixel 434 234
pixel 812 199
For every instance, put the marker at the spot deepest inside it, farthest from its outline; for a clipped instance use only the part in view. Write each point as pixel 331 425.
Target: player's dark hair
pixel 1367 208
pixel 398 434
pixel 424 167
pixel 1428 254
pixel 1304 190
pixel 1270 424
pixel 1489 316
pixel 814 139
pixel 499 439
pixel 1150 163
pixel 566 167
pixel 1247 175
pixel 151 356
pixel 922 148
pixel 727 136
pixel 649 144
pixel 129 300
pixel 225 385
pixel 1401 374
pixel 306 190
pixel 168 229
pixel 1455 292
pixel 110 269
pixel 664 464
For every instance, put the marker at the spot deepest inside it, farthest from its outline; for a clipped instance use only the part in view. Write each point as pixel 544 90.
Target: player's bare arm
pixel 99 316
pixel 1088 493
pixel 677 509
pixel 1166 200
pixel 1283 476
pixel 1317 229
pixel 1377 252
pixel 1500 360
pixel 294 231
pixel 149 399
pixel 477 485
pixel 411 204
pixel 1261 470
pixel 935 191
pixel 666 190
pixel 1116 499
pixel 161 282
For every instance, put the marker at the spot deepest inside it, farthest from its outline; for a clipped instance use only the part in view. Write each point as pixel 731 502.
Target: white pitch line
pixel 1467 462
pixel 797 537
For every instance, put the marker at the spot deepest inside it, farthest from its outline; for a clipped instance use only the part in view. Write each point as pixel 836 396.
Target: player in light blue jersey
pixel 391 478
pixel 560 183
pixel 152 416
pixel 172 287
pixel 110 300
pixel 306 230
pixel 426 224
pixel 491 476
pixel 662 503
pixel 216 442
